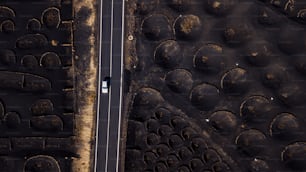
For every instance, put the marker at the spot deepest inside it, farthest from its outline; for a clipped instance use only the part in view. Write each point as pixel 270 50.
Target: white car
pixel 105 85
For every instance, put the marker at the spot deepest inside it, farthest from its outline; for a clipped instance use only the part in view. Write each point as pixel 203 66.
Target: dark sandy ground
pixel 215 85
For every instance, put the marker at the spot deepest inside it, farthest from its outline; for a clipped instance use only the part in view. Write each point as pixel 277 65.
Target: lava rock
pixel 134 161
pixel 188 133
pixel 301 16
pixel 34 25
pixel 294 156
pixel 255 109
pixel 165 130
pixel 163 115
pixel 237 32
pixel 11 80
pixel 168 54
pixel 198 144
pixel 150 158
pixel 179 5
pixel 160 167
pixel 219 7
pixel 235 82
pixel 223 121
pixel 50 123
pixel 32 41
pixel 274 76
pixel 146 6
pixel 292 94
pixel 36 83
pixel 6 12
pixel 152 125
pixel 162 149
pixel 12 120
pixel 41 163
pixel 210 156
pixel 153 139
pixel 178 123
pixel 7 57
pixel 185 153
pixel 183 169
pixel 172 161
pixel 258 165
pixel 148 97
pixel 209 59
pixel 221 167
pixel 284 126
pixel 136 132
pixel 251 142
pixel 29 61
pixel 196 164
pixel 188 27
pixel 50 60
pixel 259 53
pixel 175 141
pixel 7 26
pixel 179 80
pixel 300 64
pixel 205 97
pixel 42 106
pixel 156 27
pixel 268 17
pixel 51 17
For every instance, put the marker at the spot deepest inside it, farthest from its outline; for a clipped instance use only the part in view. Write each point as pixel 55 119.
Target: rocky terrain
pixel 37 96
pixel 216 85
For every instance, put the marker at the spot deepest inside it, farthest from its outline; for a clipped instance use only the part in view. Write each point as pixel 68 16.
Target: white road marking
pixel 99 91
pixel 108 125
pixel 110 89
pixel 121 83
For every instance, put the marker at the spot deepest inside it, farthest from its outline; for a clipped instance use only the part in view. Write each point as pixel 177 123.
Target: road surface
pixel 109 105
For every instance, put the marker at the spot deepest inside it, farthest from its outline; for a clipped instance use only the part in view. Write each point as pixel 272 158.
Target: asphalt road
pixel 109 105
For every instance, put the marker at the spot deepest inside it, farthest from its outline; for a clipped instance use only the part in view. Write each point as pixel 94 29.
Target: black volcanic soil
pixel 37 86
pixel 216 85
